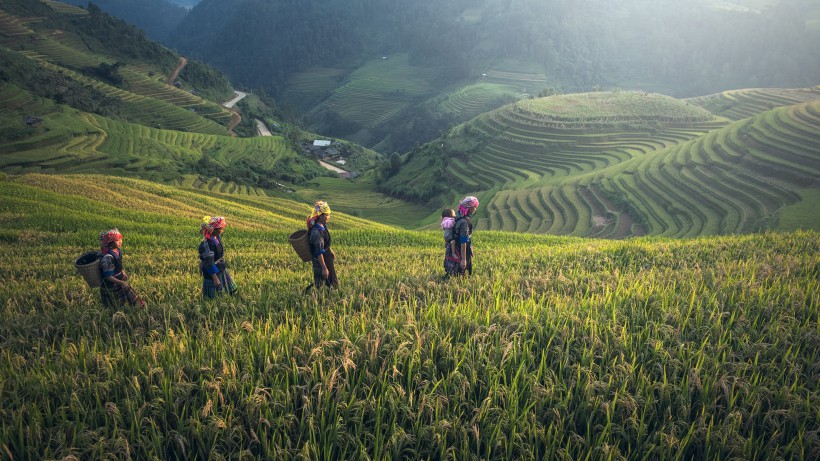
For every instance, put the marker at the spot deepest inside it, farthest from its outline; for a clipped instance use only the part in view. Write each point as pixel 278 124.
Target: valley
pixel 645 283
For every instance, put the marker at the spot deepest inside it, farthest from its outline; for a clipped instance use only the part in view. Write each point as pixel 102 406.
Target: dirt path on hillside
pixel 183 61
pixel 331 167
pixel 235 119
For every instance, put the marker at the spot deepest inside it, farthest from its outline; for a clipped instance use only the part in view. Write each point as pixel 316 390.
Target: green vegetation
pixel 358 198
pixel 678 48
pixel 740 104
pixel 557 348
pixel 61 52
pixel 471 100
pixel 524 144
pixel 611 165
pixel 70 141
pixel 140 127
pixel 158 18
pixel 374 95
pixel 615 108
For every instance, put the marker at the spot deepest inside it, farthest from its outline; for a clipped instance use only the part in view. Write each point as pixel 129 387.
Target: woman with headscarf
pixel 462 231
pixel 324 272
pixel 114 290
pixel 215 276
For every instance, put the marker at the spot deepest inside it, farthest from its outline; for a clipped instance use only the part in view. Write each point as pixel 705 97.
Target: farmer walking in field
pixel 114 290
pixel 462 231
pixel 215 276
pixel 324 272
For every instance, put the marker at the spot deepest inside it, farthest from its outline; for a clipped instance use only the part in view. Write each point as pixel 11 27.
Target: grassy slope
pixel 588 164
pixel 556 348
pixel 72 141
pixel 142 92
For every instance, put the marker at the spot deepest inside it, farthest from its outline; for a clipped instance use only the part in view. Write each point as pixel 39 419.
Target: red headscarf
pixel 106 238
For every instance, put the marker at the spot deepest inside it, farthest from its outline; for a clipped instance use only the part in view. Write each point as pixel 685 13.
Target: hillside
pixel 77 56
pixel 76 100
pixel 620 164
pixel 158 18
pixel 391 74
pixel 556 348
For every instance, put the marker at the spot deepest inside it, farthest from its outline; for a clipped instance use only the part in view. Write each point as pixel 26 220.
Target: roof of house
pixel 321 143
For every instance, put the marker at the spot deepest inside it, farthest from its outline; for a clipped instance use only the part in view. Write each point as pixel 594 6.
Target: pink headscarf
pixel 468 202
pixel 106 238
pixel 209 224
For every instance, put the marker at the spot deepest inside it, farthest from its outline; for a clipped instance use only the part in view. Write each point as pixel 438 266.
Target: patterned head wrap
pixel 319 208
pixel 468 202
pixel 108 237
pixel 209 224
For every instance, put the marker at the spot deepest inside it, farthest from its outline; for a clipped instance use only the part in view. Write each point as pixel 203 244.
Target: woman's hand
pixel 217 283
pixel 325 272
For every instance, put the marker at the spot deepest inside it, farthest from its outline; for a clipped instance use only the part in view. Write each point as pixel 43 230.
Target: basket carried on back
pixel 299 241
pixel 88 265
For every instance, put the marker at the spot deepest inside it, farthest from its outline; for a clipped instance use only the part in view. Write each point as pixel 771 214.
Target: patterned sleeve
pixel 317 243
pixel 206 258
pixel 107 265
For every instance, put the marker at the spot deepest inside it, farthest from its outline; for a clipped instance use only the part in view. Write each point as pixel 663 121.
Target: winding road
pixel 235 117
pixel 239 96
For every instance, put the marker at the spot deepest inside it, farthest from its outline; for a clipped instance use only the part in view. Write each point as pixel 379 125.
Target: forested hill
pixel 158 18
pixel 311 54
pixel 693 47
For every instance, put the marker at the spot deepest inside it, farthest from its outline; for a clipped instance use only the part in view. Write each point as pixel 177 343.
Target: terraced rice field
pixel 164 105
pixel 74 142
pixel 740 104
pixel 680 179
pixel 523 145
pixel 377 92
pixel 307 89
pixel 524 82
pixel 732 180
pixel 555 348
pixel 471 100
pixel 160 113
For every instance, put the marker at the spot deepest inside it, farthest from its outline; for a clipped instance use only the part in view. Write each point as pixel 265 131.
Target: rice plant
pixel 555 348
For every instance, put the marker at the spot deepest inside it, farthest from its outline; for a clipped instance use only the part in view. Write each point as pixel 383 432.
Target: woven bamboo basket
pixel 299 241
pixel 88 265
